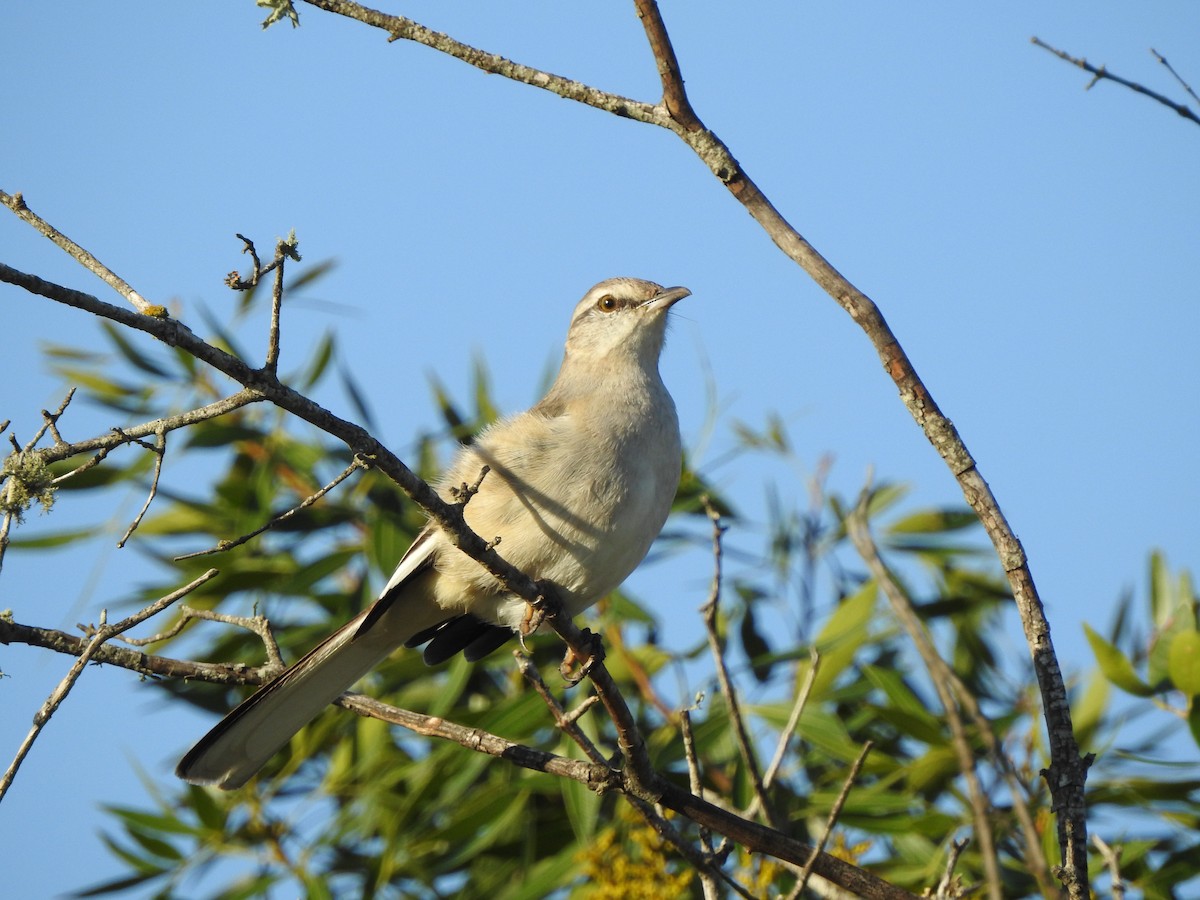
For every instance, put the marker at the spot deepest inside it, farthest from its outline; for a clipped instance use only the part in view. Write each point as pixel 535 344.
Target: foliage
pixel 357 808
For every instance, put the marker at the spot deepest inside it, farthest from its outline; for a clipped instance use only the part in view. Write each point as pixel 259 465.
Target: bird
pixel 576 490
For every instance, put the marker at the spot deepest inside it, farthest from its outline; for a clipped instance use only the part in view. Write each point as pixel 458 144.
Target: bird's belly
pixel 583 536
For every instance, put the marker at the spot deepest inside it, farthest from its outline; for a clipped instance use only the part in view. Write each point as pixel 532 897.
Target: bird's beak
pixel 668 297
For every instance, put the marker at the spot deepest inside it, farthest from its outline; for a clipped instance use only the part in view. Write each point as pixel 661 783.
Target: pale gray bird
pixel 579 487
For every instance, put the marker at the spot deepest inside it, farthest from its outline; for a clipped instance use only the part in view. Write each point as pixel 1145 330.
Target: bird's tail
pixel 242 742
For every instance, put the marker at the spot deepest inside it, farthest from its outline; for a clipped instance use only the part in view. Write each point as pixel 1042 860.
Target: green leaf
pixel 934 521
pixel 120 885
pixel 53 539
pixel 1116 665
pixel 1193 721
pixel 581 803
pixel 485 410
pixel 311 274
pixel 755 646
pixel 358 399
pixel 317 365
pixel 1184 662
pixel 844 632
pixel 130 353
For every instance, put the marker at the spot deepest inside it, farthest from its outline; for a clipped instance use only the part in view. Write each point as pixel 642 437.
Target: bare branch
pixel 834 813
pixel 1183 84
pixel 284 250
pixel 674 95
pixel 102 634
pixel 400 28
pixel 308 501
pixel 16 203
pixel 568 726
pixel 50 422
pixel 710 609
pixel 939 676
pixel 793 718
pixel 950 886
pixel 160 450
pixel 1112 859
pixel 1101 74
pixel 258 625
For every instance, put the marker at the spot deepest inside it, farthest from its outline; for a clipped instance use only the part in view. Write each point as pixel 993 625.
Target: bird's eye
pixel 607 303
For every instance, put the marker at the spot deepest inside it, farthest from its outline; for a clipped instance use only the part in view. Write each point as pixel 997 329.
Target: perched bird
pixel 578 488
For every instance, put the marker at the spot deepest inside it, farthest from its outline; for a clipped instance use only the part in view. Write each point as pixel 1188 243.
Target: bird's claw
pixel 595 654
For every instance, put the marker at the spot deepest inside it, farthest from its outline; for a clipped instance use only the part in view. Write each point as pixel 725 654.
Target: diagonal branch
pixel 224 545
pixel 16 203
pixel 939 676
pixel 401 28
pixel 1100 73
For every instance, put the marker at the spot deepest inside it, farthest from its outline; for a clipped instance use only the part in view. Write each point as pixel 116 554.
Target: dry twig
pixel 710 610
pixel 1100 73
pixel 308 501
pixel 939 676
pixel 834 812
pixel 98 638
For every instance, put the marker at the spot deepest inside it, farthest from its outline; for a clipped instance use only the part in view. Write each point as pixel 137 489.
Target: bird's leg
pixel 595 654
pixel 546 605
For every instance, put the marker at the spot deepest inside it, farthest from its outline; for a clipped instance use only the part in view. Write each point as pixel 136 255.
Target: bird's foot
pixel 545 606
pixel 595 653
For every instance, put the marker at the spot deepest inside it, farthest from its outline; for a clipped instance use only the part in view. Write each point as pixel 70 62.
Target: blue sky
pixel 1032 245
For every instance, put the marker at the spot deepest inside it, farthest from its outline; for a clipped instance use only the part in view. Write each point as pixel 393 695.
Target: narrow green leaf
pixel 311 274
pixel 934 521
pixel 1116 665
pixel 131 354
pixel 755 646
pixel 1184 662
pixel 582 805
pixel 1194 722
pixel 317 365
pixel 358 399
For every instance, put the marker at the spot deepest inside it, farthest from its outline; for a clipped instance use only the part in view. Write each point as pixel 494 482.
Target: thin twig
pixel 708 883
pixel 836 811
pixel 118 437
pixel 16 202
pixel 5 527
pixel 102 634
pixel 950 886
pixel 789 729
pixel 50 422
pixel 284 250
pixel 1100 73
pixel 728 692
pixel 1112 859
pixel 1034 857
pixel 793 721
pixel 1187 87
pixel 145 664
pixel 160 451
pixel 308 501
pixel 569 726
pixel 258 625
pixel 939 676
pixel 401 28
